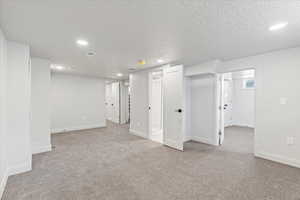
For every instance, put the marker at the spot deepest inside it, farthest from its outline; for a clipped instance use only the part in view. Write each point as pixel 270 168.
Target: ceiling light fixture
pixel 57 67
pixel 82 42
pixel 160 60
pixel 278 26
pixel 119 74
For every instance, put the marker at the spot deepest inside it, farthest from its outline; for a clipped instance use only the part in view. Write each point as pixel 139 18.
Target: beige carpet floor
pixel 111 164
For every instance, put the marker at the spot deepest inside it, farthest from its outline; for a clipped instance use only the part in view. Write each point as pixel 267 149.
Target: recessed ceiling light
pixel 82 42
pixel 57 67
pixel 278 26
pixel 119 74
pixel 160 60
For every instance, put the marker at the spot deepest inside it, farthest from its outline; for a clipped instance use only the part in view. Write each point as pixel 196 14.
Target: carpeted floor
pixel 109 163
pixel 239 140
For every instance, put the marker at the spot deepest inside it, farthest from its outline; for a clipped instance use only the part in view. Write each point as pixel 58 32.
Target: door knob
pixel 178 110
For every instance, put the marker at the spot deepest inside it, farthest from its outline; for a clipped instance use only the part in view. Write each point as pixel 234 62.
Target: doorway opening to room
pixel 117 101
pixel 156 106
pixel 237 111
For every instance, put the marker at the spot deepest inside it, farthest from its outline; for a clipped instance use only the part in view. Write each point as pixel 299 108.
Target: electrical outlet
pixel 290 140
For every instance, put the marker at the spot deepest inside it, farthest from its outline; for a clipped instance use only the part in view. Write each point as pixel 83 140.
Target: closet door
pixel 108 101
pixel 173 118
pixel 220 107
pixel 116 102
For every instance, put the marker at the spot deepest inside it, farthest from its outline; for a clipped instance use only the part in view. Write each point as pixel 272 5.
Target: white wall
pixel 139 103
pixel 242 104
pixel 77 102
pixel 202 108
pixel 277 79
pixel 203 68
pixel 3 139
pixel 18 108
pixel 40 105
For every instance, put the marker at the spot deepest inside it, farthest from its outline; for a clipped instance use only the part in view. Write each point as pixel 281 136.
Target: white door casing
pixel 227 103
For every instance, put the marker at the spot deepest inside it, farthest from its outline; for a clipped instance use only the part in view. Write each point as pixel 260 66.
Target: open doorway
pixel 238 111
pixel 156 106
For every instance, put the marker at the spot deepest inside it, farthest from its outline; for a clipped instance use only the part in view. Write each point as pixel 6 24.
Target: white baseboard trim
pixel 187 138
pixel 204 140
pixel 173 144
pixel 3 183
pixel 41 149
pixel 157 132
pixel 20 168
pixel 241 125
pixel 279 159
pixel 138 133
pixel 78 128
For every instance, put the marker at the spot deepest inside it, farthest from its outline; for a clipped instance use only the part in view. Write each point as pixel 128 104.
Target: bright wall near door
pixel 40 105
pixel 277 82
pixel 77 102
pixel 242 104
pixel 3 139
pixel 18 108
pixel 139 113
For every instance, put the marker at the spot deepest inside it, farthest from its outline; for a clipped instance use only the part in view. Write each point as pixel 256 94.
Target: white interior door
pixel 173 118
pixel 116 102
pixel 220 107
pixel 227 103
pixel 156 105
pixel 108 101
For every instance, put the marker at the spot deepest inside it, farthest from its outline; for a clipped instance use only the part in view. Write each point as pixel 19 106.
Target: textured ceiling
pixel 124 31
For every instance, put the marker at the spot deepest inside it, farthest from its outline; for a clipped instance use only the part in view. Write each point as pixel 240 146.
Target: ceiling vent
pixel 131 69
pixel 91 54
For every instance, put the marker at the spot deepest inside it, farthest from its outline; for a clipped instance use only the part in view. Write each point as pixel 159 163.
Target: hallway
pixel 109 163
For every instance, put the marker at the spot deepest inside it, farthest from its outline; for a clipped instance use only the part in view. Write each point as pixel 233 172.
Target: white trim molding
pixel 20 168
pixel 78 128
pixel 3 183
pixel 41 149
pixel 187 138
pixel 138 133
pixel 204 140
pixel 278 159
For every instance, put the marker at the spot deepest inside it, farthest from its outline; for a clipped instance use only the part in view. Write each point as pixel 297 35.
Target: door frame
pixel 150 80
pixel 220 100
